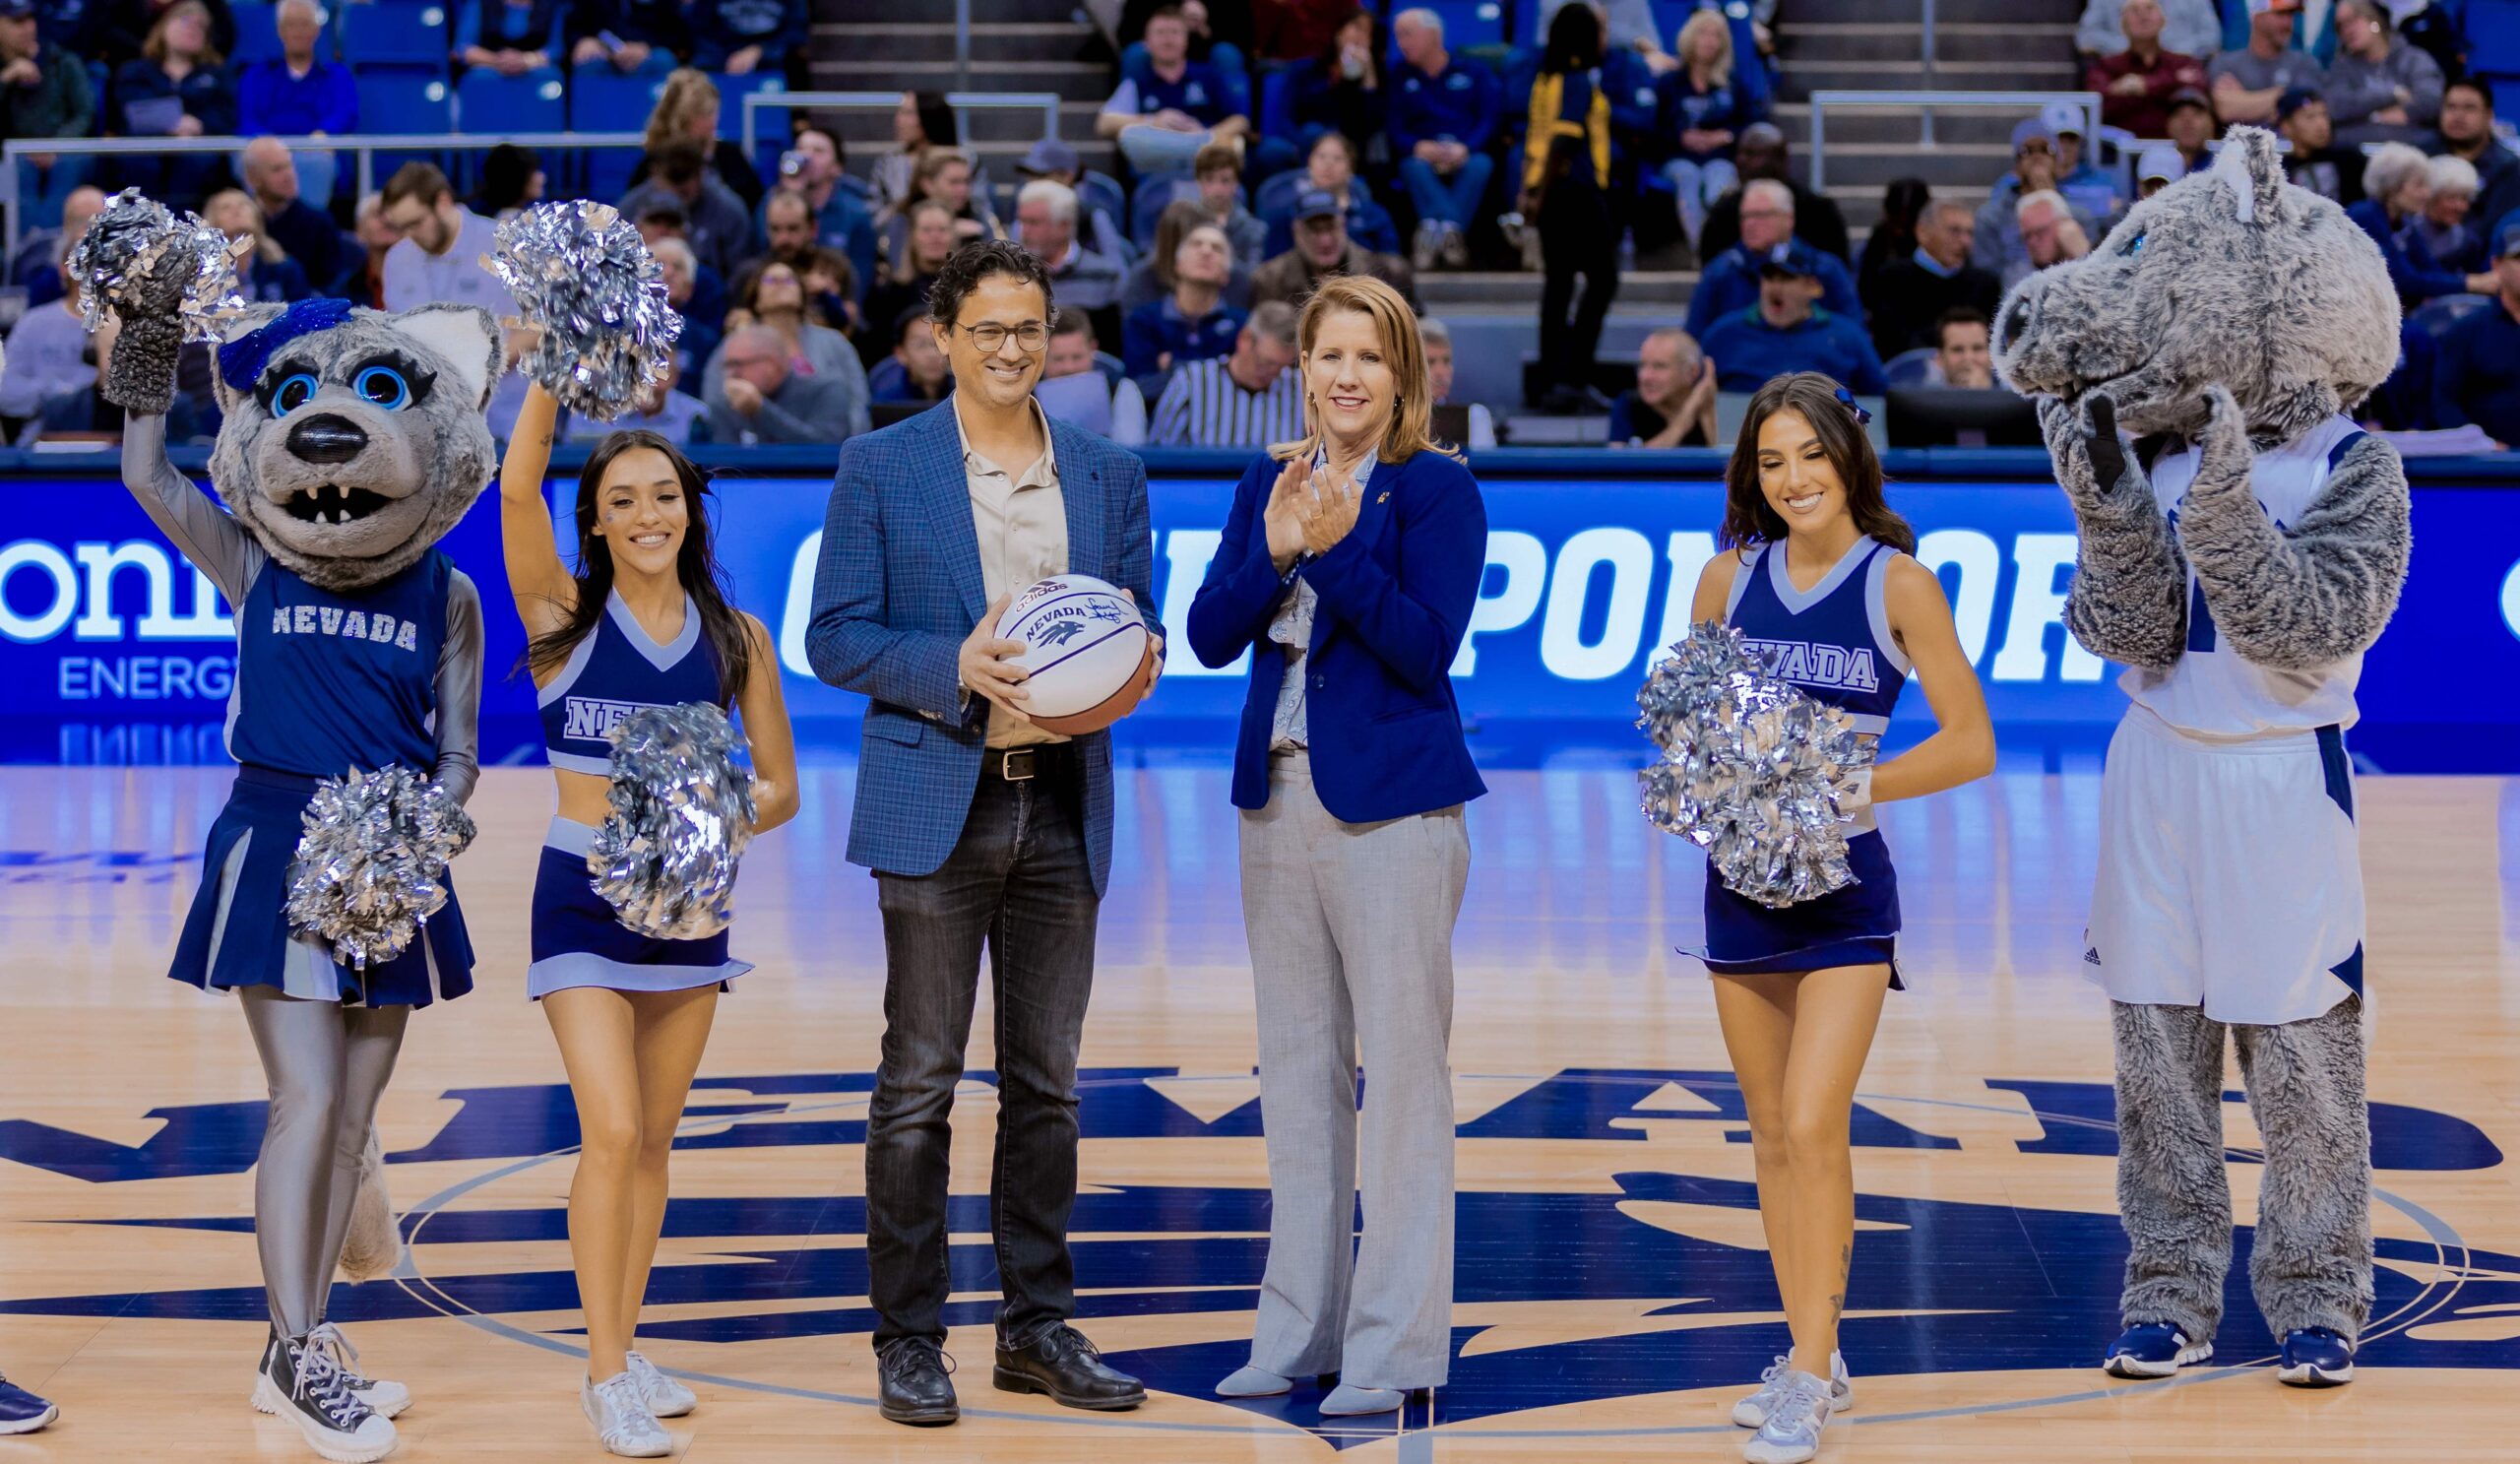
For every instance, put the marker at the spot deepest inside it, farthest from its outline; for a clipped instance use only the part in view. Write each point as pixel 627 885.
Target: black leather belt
pixel 1024 764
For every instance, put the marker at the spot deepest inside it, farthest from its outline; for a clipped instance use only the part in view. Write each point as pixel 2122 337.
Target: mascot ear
pixel 2251 167
pixel 466 338
pixel 236 327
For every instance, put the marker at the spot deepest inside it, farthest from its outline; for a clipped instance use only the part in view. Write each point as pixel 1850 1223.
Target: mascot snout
pixel 329 438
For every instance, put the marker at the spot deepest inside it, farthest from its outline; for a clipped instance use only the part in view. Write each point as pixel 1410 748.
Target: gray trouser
pixel 326 1064
pixel 2312 1262
pixel 1351 927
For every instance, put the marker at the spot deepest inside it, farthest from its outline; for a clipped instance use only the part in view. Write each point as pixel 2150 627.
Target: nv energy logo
pixel 1632 1277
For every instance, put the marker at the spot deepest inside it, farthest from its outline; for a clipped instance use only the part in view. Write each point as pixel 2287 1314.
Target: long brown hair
pixel 1410 430
pixel 1747 519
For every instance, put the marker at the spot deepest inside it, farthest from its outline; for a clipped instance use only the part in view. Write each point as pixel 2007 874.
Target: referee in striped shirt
pixel 1252 398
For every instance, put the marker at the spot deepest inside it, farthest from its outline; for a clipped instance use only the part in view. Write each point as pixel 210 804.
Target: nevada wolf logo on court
pixel 1632 1280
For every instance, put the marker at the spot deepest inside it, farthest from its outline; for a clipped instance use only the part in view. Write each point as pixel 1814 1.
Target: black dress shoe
pixel 911 1385
pixel 1061 1363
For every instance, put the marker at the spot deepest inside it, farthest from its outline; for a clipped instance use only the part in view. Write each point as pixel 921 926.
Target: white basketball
pixel 1090 657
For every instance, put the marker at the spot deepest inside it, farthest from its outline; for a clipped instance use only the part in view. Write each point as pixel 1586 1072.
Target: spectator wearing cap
pixel 1730 280
pixel 2135 84
pixel 1962 360
pixel 1323 247
pixel 1994 245
pixel 2448 229
pixel 742 36
pixel 2086 186
pixel 1219 175
pixel 1251 398
pixel 631 37
pixel 2191 127
pixel 303 232
pixel 1193 322
pixel 2467 131
pixel 1437 339
pixel 1672 403
pixel 44 92
pixel 1045 224
pixel 2379 89
pixel 1938 278
pixel 918 369
pixel 2190 28
pixel 1053 160
pixel 1443 115
pixel 2312 161
pixel 2157 168
pixel 2476 376
pixel 2397 184
pixel 1330 166
pixel 2249 83
pixel 1787 329
pixel 1761 153
pixel 1162 118
pixel 513 37
pixel 716 221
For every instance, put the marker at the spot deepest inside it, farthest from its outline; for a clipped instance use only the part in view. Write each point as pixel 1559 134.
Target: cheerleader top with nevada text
pixel 2210 691
pixel 617 668
pixel 1832 640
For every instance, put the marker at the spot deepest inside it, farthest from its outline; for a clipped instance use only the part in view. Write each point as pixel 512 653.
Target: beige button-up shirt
pixel 1022 524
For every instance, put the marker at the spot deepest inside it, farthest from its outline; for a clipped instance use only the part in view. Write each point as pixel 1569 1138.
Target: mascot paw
pixel 140 364
pixel 2100 440
pixel 2083 443
pixel 2223 451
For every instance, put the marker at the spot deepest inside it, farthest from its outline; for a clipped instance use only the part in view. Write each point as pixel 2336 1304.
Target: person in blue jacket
pixel 1786 331
pixel 1730 280
pixel 2397 186
pixel 1443 115
pixel 1347 572
pixel 1702 109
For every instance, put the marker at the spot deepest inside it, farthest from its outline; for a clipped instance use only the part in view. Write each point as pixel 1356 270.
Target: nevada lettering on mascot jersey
pixel 328 682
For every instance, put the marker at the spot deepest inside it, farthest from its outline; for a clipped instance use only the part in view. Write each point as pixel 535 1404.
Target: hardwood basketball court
pixel 1614 1296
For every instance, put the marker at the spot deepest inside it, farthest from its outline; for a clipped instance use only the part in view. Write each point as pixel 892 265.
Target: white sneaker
pixel 386 1398
pixel 667 1397
pixel 299 1382
pixel 1455 248
pixel 1791 1433
pixel 1752 1411
pixel 622 1423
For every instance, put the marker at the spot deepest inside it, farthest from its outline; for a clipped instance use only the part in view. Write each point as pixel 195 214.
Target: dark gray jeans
pixel 1018 882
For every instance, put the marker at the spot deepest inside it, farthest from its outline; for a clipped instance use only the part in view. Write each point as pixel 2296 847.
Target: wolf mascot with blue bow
pixel 351 442
pixel 2241 543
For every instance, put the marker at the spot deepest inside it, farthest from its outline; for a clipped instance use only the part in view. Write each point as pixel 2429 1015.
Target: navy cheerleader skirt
pixel 237 932
pixel 1857 925
pixel 579 939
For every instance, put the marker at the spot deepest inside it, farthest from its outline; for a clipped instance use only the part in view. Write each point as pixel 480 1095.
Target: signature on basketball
pixel 1634 1277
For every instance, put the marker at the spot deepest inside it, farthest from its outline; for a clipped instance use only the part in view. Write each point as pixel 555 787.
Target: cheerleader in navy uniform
pixel 644 621
pixel 1816 575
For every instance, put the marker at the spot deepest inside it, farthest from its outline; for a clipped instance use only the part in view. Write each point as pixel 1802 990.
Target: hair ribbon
pixel 1862 417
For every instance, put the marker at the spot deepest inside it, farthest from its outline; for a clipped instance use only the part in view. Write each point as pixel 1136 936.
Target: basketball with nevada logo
pixel 1090 660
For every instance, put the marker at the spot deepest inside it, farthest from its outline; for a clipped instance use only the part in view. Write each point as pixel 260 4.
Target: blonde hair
pixel 1409 433
pixel 688 93
pixel 154 48
pixel 1707 20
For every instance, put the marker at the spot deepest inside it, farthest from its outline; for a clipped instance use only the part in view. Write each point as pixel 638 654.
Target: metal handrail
pixel 1924 48
pixel 366 143
pixel 1047 102
pixel 1925 102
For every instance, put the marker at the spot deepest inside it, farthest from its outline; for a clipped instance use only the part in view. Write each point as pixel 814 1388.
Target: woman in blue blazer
pixel 1347 572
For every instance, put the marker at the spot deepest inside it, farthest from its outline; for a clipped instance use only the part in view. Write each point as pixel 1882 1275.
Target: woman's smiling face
pixel 1348 376
pixel 641 513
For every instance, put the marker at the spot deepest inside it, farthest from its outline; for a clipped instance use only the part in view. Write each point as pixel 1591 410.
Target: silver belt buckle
pixel 1012 759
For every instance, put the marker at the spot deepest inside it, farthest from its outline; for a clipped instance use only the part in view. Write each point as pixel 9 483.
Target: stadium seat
pixel 731 91
pixel 1910 367
pixel 603 100
pixel 257 37
pixel 2494 37
pixel 486 102
pixel 1155 193
pixel 395 32
pixel 404 99
pixel 1113 373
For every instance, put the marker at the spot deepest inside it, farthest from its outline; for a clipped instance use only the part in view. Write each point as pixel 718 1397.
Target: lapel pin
pixel 1386 496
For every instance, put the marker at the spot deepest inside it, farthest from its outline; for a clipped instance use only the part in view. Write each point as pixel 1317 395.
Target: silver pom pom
pixel 581 272
pixel 120 254
pixel 1750 769
pixel 371 868
pixel 682 812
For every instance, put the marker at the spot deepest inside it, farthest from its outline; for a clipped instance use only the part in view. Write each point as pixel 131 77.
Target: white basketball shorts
pixel 2229 876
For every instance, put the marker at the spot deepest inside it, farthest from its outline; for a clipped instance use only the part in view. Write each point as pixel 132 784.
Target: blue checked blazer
pixel 897 590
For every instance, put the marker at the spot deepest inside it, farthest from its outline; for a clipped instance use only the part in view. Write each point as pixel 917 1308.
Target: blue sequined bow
pixel 1862 417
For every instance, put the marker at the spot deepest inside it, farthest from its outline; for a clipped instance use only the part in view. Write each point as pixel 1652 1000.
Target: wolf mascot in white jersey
pixel 2242 544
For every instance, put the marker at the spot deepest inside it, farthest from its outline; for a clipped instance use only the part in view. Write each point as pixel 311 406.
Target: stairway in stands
pixel 1017 45
pixel 1877 46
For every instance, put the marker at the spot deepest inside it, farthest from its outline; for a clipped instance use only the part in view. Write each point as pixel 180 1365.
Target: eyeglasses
pixel 986 337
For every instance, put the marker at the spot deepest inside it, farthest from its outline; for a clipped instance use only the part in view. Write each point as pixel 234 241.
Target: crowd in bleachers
pixel 1261 147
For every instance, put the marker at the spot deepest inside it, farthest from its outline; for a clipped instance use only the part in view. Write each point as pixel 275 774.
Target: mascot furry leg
pixel 2239 547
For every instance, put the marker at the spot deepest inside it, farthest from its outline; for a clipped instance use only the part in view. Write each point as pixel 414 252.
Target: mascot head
pixel 2229 276
pixel 353 440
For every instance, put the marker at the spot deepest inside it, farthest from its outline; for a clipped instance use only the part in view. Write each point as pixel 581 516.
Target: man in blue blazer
pixel 980 825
